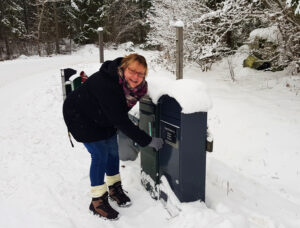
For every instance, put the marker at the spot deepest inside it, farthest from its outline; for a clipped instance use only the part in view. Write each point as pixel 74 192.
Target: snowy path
pixel 44 182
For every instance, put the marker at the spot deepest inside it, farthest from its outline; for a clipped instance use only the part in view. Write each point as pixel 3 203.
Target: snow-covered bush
pixel 213 29
pixel 285 18
pixel 217 28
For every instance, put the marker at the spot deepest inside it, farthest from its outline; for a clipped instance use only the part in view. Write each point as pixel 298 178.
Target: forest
pixel 213 29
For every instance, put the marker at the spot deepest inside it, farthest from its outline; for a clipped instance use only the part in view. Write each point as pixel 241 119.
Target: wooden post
pixel 100 31
pixel 179 49
pixel 63 82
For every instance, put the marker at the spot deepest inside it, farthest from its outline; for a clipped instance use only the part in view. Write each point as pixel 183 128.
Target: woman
pixel 94 112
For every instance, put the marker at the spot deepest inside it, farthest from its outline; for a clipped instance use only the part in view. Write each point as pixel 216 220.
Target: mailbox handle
pixel 150 128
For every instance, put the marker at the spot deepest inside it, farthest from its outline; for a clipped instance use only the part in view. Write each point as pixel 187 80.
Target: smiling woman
pixel 94 112
pixel 135 69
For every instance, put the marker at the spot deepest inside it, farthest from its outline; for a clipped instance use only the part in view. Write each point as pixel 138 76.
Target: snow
pixel 297 11
pixel 252 175
pixel 290 3
pixel 271 34
pixel 74 5
pixel 178 24
pixel 207 16
pixel 100 29
pixel 190 94
pixel 73 77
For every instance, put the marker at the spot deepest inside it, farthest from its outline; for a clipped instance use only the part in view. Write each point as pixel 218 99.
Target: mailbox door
pixel 149 157
pixel 169 155
pixel 170 131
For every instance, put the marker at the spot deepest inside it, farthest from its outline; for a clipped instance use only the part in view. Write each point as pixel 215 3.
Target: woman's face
pixel 134 74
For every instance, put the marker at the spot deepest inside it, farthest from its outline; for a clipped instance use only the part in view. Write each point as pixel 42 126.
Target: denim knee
pixel 113 146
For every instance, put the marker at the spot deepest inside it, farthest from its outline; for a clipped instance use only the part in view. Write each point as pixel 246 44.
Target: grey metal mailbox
pixel 128 149
pixel 182 160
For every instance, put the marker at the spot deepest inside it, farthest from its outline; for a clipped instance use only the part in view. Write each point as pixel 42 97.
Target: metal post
pixel 179 51
pixel 100 30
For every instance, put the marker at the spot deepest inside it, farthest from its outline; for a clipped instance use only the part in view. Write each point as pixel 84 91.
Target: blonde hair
pixel 128 59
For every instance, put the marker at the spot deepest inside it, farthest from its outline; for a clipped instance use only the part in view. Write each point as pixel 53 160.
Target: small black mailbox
pixel 66 85
pixel 182 160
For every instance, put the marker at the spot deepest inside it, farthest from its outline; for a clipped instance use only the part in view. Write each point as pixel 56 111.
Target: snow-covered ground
pixel 253 175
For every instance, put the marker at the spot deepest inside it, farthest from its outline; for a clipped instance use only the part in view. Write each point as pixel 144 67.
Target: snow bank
pixel 252 176
pixel 190 94
pixel 271 34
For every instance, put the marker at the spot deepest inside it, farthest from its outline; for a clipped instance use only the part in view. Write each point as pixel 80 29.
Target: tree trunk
pixel 48 34
pixel 8 53
pixel 40 18
pixel 56 29
pixel 25 15
pixel 229 40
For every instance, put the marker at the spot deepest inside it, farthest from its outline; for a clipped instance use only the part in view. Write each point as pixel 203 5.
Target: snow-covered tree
pixel 86 16
pixel 11 25
pixel 213 28
pixel 282 14
pixel 124 20
pixel 295 5
pixel 217 28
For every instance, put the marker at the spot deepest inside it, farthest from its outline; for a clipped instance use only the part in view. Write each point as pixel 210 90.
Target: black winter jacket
pixel 96 109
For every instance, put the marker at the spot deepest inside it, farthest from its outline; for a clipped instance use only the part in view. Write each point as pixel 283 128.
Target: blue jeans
pixel 105 159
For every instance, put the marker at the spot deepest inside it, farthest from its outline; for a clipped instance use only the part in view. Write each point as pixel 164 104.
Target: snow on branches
pixel 215 29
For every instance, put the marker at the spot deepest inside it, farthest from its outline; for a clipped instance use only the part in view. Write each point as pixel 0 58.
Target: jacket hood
pixel 110 68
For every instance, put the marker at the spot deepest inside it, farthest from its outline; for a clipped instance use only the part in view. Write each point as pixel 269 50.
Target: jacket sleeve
pixel 113 104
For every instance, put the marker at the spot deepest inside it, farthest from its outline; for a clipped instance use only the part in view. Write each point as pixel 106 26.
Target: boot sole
pixel 128 204
pixel 92 210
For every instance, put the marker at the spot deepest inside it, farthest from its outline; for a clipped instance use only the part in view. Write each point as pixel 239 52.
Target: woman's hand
pixel 156 143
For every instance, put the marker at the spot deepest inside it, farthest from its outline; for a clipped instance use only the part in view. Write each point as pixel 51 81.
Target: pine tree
pixel 11 25
pixel 87 17
pixel 125 20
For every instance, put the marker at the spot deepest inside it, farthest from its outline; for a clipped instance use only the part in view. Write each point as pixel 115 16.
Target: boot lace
pixel 120 190
pixel 106 206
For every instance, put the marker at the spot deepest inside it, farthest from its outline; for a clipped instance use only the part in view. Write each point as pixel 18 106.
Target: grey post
pixel 100 31
pixel 63 83
pixel 179 49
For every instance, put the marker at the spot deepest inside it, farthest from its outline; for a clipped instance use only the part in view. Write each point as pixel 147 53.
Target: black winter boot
pixel 116 193
pixel 100 206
